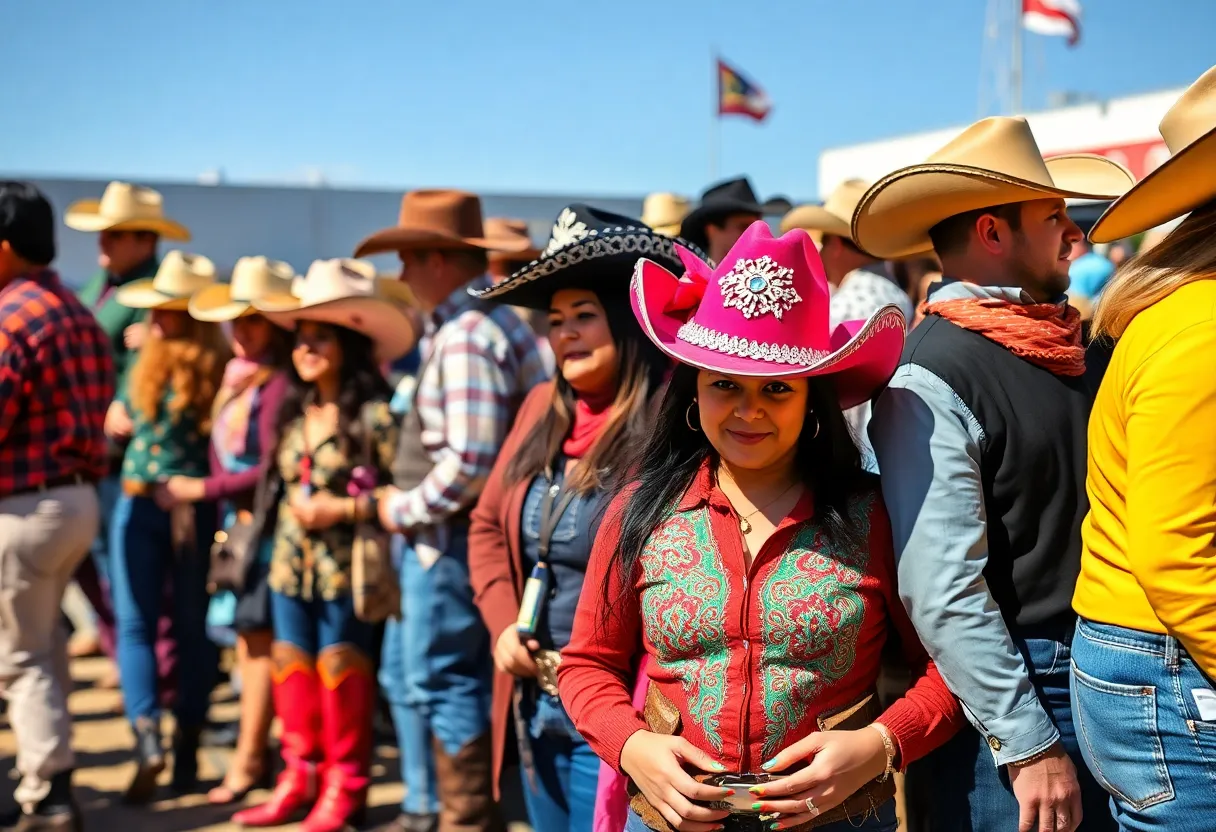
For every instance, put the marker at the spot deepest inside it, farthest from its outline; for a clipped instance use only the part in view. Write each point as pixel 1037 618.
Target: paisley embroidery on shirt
pixel 812 614
pixel 684 601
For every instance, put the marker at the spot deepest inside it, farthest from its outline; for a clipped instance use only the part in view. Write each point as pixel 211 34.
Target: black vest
pixel 1032 464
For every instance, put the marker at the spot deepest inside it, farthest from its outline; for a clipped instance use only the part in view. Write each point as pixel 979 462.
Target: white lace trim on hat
pixel 700 336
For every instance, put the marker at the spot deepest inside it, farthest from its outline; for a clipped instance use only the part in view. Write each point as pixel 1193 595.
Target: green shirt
pixel 164 447
pixel 113 316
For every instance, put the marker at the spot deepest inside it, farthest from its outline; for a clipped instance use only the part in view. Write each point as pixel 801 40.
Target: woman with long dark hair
pixel 244 420
pixel 337 442
pixel 752 561
pixel 541 507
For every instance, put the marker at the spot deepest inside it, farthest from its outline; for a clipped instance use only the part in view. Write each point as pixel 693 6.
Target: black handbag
pixel 235 550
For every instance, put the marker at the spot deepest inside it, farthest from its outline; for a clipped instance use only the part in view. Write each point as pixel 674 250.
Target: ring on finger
pixel 811 808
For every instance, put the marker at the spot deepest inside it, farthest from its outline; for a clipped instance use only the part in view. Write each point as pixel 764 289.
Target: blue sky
pixel 595 98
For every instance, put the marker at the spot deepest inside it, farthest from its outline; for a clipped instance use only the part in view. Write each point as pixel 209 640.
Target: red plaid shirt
pixel 56 382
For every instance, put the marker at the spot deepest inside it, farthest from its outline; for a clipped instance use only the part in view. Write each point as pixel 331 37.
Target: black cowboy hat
pixel 588 248
pixel 734 196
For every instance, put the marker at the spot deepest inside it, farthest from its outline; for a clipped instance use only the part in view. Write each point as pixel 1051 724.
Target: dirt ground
pixel 104 765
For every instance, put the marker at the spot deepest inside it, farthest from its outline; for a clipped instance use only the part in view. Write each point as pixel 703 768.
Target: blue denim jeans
pixel 109 490
pixel 884 821
pixel 560 783
pixel 438 684
pixel 141 552
pixel 316 624
pixel 1144 735
pixel 409 718
pixel 965 790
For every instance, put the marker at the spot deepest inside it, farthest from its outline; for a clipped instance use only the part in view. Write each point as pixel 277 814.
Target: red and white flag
pixel 1061 18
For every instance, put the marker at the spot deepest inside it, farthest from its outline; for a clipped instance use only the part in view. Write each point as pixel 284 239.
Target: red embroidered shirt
pixel 56 382
pixel 752 657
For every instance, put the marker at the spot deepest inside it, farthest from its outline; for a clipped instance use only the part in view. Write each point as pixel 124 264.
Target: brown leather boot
pixel 466 788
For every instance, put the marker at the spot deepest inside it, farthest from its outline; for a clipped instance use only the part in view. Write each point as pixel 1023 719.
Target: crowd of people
pixel 696 525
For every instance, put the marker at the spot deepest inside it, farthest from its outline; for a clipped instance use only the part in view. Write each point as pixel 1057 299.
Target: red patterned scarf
pixel 590 418
pixel 1045 334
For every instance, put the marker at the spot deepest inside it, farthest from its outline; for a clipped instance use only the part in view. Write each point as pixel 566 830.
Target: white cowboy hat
pixel 125 207
pixel 1184 181
pixel 252 277
pixel 993 162
pixel 178 278
pixel 664 212
pixel 834 217
pixel 347 293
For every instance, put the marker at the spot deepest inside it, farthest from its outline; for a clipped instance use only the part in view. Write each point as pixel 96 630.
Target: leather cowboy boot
pixel 150 758
pixel 466 788
pixel 348 690
pixel 297 701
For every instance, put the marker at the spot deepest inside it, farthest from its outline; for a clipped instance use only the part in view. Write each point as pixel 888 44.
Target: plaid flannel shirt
pixel 480 360
pixel 56 383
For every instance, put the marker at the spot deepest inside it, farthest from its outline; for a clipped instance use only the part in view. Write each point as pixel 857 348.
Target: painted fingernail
pixel 755 807
pixel 758 791
pixel 768 765
pixel 728 792
pixel 718 767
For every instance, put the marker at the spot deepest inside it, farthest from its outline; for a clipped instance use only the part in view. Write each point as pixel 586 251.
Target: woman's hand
pixel 118 424
pixel 178 490
pixel 320 511
pixel 838 764
pixel 134 336
pixel 656 764
pixel 511 656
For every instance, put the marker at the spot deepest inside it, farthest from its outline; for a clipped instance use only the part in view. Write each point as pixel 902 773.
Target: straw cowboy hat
pixel 252 278
pixel 178 278
pixel 764 312
pixel 503 228
pixel 1184 181
pixel 834 217
pixel 348 293
pixel 993 162
pixel 438 220
pixel 125 207
pixel 588 248
pixel 664 212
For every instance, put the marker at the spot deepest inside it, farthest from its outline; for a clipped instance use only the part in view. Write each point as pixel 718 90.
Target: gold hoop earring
pixel 688 417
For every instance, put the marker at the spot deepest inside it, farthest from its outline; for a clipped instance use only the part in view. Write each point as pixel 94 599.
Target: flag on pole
pixel 739 96
pixel 1061 18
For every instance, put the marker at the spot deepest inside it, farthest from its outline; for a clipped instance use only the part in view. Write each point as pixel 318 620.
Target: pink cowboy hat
pixel 764 312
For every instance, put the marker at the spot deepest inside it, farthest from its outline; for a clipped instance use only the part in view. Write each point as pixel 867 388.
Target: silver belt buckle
pixel 547 662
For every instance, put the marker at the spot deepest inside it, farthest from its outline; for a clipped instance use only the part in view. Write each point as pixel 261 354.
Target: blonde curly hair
pixel 192 366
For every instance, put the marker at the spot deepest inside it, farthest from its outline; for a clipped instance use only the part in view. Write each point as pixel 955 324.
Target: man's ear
pixel 992 234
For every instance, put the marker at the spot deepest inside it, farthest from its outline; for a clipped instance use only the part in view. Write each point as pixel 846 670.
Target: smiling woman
pixel 752 560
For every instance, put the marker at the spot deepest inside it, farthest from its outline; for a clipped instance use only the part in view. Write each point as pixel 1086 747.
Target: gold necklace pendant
pixel 745 526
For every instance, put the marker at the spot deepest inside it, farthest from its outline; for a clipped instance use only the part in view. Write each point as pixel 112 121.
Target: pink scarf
pixel 234 403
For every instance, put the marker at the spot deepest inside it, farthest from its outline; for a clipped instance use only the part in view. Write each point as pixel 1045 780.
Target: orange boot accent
pixel 348 689
pixel 297 701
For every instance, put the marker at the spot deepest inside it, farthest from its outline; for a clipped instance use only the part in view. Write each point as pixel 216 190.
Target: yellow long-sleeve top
pixel 1148 561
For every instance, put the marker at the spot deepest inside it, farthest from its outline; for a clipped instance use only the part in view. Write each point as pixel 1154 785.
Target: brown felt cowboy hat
pixel 1184 181
pixel 348 293
pixel 438 219
pixel 125 207
pixel 834 217
pixel 252 278
pixel 178 278
pixel 504 228
pixel 993 162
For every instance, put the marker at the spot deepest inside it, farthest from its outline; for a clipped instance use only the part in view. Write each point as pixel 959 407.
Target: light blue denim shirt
pixel 928 446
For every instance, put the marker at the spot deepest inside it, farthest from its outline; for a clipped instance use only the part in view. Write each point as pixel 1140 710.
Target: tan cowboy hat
pixel 833 217
pixel 348 293
pixel 178 278
pixel 993 162
pixel 252 277
pixel 502 228
pixel 1184 181
pixel 664 212
pixel 125 207
pixel 438 219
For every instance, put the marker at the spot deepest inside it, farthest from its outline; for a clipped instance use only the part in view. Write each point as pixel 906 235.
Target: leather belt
pixel 137 488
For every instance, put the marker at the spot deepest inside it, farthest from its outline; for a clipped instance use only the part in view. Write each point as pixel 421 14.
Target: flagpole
pixel 715 119
pixel 1015 67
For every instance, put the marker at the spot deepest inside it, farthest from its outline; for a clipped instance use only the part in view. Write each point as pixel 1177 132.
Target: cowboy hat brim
pixel 861 359
pixel 590 263
pixel 700 216
pixel 385 322
pixel 406 239
pixel 816 221
pixel 214 304
pixel 1178 186
pixel 669 230
pixel 140 294
pixel 525 256
pixel 85 216
pixel 894 216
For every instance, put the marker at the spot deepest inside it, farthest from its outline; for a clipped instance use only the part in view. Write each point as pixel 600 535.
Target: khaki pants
pixel 43 537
